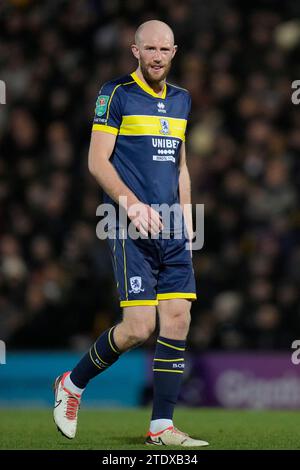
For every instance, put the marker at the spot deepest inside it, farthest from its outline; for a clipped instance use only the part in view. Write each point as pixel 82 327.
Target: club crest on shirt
pixel 165 128
pixel 136 285
pixel 101 105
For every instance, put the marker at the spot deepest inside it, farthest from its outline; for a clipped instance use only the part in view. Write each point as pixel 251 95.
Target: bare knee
pixel 136 327
pixel 175 325
pixel 136 333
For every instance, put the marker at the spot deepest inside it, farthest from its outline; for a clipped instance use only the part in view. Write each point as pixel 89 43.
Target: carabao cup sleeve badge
pixel 101 105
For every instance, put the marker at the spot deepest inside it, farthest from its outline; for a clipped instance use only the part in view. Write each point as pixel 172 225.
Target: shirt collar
pixel 147 88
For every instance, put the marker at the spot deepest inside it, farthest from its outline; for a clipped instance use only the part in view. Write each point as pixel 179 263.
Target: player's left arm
pixel 185 192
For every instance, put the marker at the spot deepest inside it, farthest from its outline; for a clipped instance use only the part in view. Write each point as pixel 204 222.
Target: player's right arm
pixel 101 149
pixel 103 141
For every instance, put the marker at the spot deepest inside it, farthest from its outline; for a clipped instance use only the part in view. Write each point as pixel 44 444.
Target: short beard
pixel 148 77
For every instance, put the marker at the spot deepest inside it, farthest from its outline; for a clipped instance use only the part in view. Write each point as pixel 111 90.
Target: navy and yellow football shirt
pixel 150 130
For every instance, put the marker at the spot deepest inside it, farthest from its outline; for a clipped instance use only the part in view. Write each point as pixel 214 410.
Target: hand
pixel 145 219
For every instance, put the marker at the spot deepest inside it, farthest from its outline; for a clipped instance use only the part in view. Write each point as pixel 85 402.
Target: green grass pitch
pixel 125 429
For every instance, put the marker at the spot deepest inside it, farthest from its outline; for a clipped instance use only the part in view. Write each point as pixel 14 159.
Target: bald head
pixel 153 28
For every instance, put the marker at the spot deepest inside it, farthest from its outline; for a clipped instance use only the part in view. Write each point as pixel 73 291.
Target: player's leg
pixel 136 285
pixel 168 369
pixel 168 362
pixel 176 288
pixel 137 324
pixel 136 282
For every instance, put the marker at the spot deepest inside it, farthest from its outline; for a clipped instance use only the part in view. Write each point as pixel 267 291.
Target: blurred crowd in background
pixel 238 61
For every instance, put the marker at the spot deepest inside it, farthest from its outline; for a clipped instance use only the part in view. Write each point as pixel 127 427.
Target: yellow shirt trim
pixel 107 129
pixel 147 88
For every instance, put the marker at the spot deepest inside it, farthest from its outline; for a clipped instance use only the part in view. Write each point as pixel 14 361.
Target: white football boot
pixel 66 408
pixel 173 437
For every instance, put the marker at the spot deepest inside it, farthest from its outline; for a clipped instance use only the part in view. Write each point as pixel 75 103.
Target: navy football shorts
pixel 150 270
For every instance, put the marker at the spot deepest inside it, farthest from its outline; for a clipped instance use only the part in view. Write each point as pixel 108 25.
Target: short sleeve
pixel 108 113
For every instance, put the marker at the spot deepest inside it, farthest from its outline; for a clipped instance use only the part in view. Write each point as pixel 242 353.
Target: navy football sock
pixel 168 368
pixel 100 356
